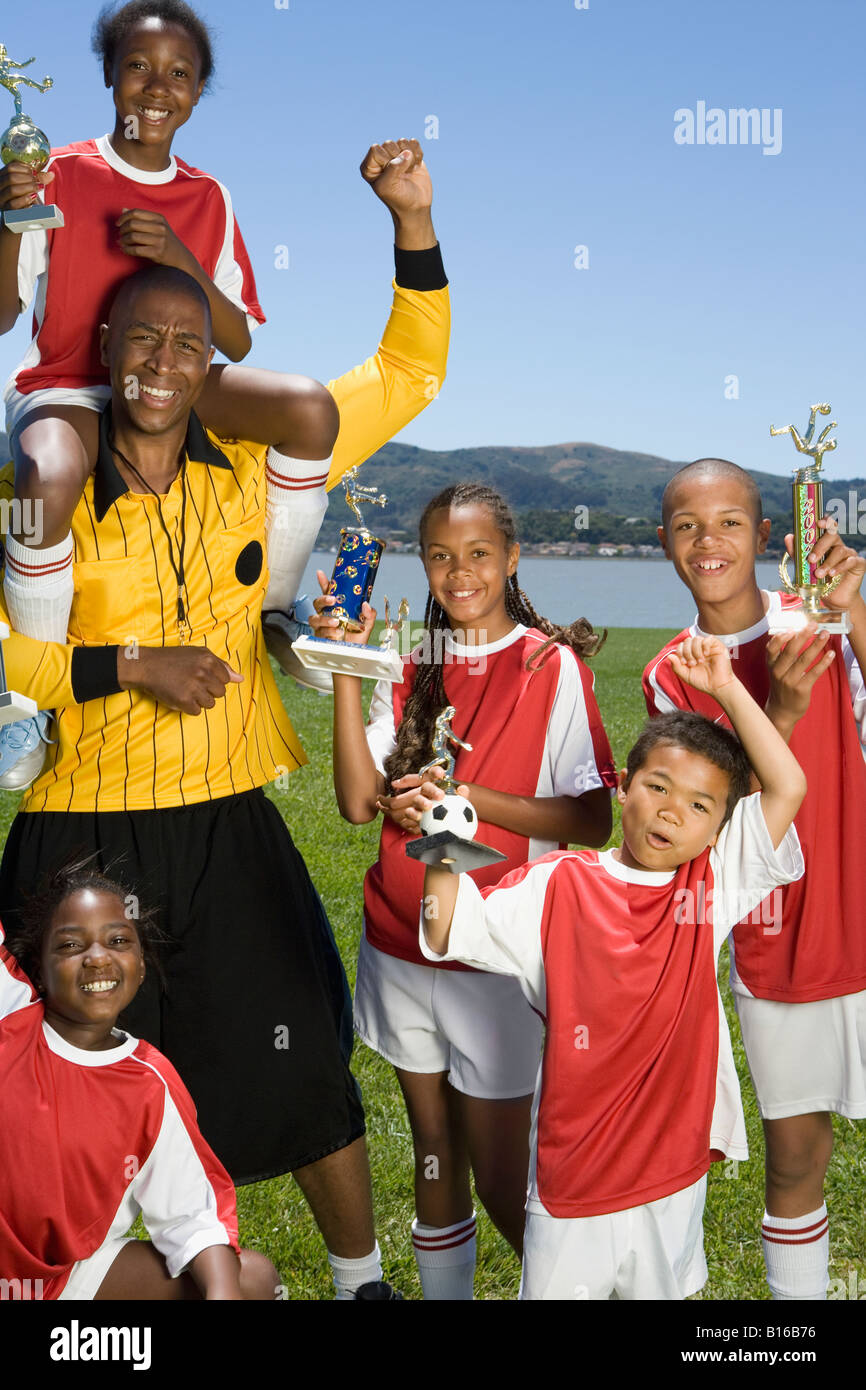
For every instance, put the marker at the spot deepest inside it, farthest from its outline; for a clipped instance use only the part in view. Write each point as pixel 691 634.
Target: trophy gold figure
pixel 24 143
pixel 351 584
pixel 808 502
pixel 12 706
pixel 448 828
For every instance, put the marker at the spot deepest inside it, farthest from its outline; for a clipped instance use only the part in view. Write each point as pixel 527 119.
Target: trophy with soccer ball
pixel 807 491
pixel 448 828
pixel 351 584
pixel 12 706
pixel 22 142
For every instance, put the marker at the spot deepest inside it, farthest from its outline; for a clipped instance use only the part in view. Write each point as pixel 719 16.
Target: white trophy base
pixel 35 219
pixel 837 624
pixel 14 707
pixel 348 659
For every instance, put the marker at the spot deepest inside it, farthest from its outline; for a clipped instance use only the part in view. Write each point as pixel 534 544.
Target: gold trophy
pixel 448 828
pixel 352 584
pixel 24 143
pixel 808 501
pixel 12 706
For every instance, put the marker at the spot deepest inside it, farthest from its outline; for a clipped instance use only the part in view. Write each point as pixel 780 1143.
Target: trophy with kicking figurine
pixel 12 706
pixel 22 142
pixel 351 584
pixel 448 828
pixel 808 501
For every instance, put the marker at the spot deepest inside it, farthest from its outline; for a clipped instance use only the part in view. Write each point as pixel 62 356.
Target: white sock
pixel 797 1255
pixel 297 502
pixel 39 589
pixel 445 1256
pixel 350 1275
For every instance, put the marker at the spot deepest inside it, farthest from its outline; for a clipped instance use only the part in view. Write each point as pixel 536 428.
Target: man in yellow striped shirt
pixel 170 576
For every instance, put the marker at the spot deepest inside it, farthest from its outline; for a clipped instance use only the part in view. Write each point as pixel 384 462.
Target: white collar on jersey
pixel 470 650
pixel 646 878
pixel 110 155
pixel 85 1057
pixel 739 639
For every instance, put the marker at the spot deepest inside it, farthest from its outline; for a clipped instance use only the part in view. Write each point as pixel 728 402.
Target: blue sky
pixel 555 130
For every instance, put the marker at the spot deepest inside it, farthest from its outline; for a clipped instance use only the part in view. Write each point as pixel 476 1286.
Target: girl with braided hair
pixel 465 1045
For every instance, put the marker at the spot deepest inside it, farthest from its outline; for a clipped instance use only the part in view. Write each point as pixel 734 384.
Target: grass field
pixel 273 1215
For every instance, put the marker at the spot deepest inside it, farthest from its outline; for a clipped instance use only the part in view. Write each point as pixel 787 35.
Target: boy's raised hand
pixel 703 663
pixel 796 661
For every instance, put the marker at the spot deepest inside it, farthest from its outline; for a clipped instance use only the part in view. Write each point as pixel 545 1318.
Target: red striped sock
pixel 38 588
pixel 445 1256
pixel 797 1254
pixel 297 502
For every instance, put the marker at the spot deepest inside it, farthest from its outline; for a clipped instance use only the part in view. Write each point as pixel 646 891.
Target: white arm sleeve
pixel 16 991
pixel 228 276
pixel 380 731
pixel 502 932
pixel 568 743
pixel 177 1200
pixel 32 262
pixel 746 867
pixel 858 690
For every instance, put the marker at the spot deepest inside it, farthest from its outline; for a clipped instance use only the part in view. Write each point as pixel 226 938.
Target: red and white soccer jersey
pixel 75 271
pixel 89 1139
pixel 817 950
pixel 638 1085
pixel 533 733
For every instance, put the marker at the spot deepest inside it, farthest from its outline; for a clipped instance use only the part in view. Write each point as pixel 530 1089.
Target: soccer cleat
pixel 377 1291
pixel 22 751
pixel 281 630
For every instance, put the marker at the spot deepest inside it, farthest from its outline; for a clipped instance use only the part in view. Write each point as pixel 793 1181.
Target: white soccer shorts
pixel 655 1251
pixel 19 406
pixel 806 1057
pixel 477 1027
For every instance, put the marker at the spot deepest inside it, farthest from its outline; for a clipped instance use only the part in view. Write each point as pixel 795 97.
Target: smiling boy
pixel 799 983
pixel 637 1090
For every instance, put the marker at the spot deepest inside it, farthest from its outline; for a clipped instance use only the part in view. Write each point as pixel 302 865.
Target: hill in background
pixel 621 491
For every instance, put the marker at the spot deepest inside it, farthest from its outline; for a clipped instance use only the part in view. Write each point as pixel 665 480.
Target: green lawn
pixel 273 1215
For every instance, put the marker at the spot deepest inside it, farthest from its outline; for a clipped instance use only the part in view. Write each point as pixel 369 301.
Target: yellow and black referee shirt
pixel 123 751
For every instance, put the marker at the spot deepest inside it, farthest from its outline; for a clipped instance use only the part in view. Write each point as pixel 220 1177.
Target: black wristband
pixel 419 270
pixel 94 673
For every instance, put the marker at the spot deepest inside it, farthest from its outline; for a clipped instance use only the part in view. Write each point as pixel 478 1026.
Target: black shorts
pixel 254 1004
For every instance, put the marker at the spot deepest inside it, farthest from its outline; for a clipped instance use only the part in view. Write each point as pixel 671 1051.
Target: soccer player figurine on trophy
pixel 12 706
pixel 449 827
pixel 24 143
pixel 807 490
pixel 351 585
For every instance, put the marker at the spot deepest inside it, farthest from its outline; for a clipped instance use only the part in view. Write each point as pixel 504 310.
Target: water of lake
pixel 609 592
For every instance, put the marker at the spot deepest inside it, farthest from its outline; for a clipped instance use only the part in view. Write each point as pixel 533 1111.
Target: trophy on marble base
pixel 12 706
pixel 448 828
pixel 352 584
pixel 808 501
pixel 24 143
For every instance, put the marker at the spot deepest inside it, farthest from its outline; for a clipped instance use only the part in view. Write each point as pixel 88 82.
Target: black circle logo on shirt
pixel 249 563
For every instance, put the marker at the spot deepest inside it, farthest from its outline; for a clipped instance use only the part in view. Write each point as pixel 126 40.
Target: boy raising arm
pixel 617 951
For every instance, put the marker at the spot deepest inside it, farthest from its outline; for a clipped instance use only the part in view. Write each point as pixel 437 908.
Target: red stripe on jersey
pixel 818 949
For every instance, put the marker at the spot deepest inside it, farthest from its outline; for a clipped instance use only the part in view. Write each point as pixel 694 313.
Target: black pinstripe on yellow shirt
pixel 125 752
